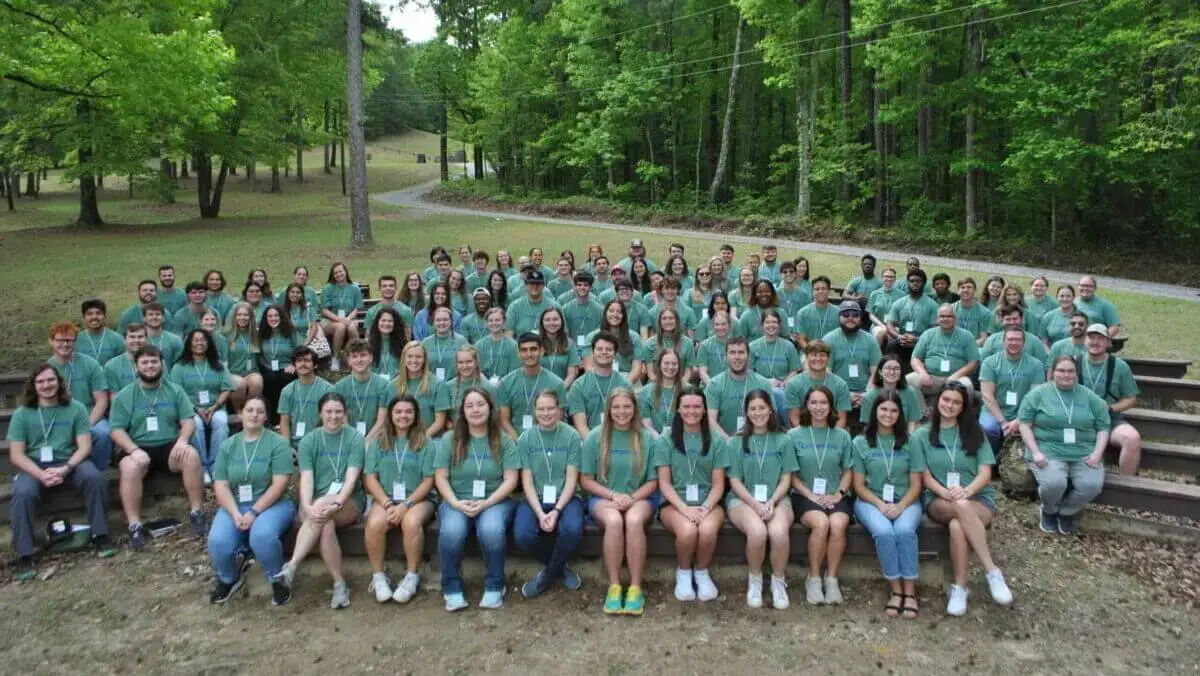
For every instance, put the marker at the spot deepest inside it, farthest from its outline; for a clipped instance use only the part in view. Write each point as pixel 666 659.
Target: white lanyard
pixel 202 373
pixel 951 452
pixel 824 319
pixel 1068 411
pixel 762 455
pixel 46 429
pixel 325 447
pixel 825 448
pixel 400 460
pixel 890 460
pixel 359 404
pixel 153 402
pixel 92 342
pixel 248 463
pixel 603 393
pixel 546 451
pixel 1087 367
pixel 529 396
pixel 478 458
pixel 692 464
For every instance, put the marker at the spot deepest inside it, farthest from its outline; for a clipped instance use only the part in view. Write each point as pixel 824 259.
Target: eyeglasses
pixel 849 313
pixel 704 274
pixel 891 369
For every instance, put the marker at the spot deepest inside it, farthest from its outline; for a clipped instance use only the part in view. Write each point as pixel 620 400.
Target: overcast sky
pixel 418 23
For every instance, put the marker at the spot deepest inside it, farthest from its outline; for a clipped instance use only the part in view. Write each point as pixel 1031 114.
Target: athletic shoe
pixel 280 593
pixel 535 586
pixel 379 585
pixel 571 579
pixel 833 591
pixel 492 600
pixel 199 527
pixel 779 595
pixel 335 364
pixel 1066 525
pixel 635 601
pixel 613 600
pixel 684 591
pixel 1049 523
pixel 137 537
pixel 103 546
pixel 705 589
pixel 407 588
pixel 26 569
pixel 1000 592
pixel 455 601
pixel 286 575
pixel 957 605
pixel 814 593
pixel 225 591
pixel 341 596
pixel 207 478
pixel 754 591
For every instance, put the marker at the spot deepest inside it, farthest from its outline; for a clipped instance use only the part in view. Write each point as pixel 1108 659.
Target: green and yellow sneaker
pixel 612 602
pixel 635 601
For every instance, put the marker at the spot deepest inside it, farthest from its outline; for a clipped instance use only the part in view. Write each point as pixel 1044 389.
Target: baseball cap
pixel 849 306
pixel 636 242
pixel 535 277
pixel 1098 328
pixel 482 292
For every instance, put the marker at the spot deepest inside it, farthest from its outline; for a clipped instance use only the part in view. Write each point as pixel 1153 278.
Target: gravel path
pixel 414 198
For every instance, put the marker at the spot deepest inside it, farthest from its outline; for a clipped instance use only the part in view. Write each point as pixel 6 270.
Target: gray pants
pixel 1085 484
pixel 27 493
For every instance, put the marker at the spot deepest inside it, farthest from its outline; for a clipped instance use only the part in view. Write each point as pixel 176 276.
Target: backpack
pixel 1109 367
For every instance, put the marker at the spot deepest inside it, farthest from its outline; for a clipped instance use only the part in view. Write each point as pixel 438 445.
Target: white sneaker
pixel 1000 592
pixel 379 585
pixel 335 364
pixel 207 478
pixel 779 595
pixel 684 591
pixel 957 605
pixel 833 591
pixel 754 591
pixel 813 591
pixel 705 589
pixel 340 597
pixel 407 588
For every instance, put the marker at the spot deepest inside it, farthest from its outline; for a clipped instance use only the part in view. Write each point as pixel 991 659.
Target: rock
pixel 46 574
pixel 1015 478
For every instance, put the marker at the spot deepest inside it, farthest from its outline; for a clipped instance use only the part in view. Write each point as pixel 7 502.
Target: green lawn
pixel 46 271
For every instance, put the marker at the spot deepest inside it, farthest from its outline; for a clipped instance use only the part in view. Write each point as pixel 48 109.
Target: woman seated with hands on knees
pixel 399 478
pixel 331 460
pixel 887 483
pixel 250 482
pixel 958 492
pixel 618 474
pixel 476 470
pixel 760 473
pixel 691 463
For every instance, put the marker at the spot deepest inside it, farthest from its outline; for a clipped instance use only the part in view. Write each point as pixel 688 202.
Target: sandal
pixel 910 612
pixel 893 609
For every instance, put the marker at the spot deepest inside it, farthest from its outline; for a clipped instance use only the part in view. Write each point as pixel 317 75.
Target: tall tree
pixel 360 209
pixel 716 191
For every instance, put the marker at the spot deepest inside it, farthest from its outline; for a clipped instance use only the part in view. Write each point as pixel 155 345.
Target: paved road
pixel 414 198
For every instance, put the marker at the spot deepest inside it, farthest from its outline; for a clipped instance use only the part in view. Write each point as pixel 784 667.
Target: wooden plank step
pixel 1163 456
pixel 1161 368
pixel 1165 425
pixel 1153 495
pixel 1168 389
pixel 66 499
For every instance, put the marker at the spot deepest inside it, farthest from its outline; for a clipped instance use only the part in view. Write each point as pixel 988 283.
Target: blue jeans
pixel 491 529
pixel 991 430
pixel 207 439
pixel 780 399
pixel 102 445
pixel 265 539
pixel 895 541
pixel 552 550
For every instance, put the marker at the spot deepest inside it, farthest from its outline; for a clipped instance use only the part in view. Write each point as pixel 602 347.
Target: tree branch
pixel 51 88
pixel 53 25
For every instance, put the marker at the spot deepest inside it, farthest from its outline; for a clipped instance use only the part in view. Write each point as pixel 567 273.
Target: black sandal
pixel 906 609
pixel 894 610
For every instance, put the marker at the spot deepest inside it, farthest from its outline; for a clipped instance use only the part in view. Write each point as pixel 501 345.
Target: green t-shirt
pixel 400 465
pixel 684 347
pixel 727 395
pixel 660 413
pixel 589 395
pixel 881 299
pixel 750 324
pixel 774 358
pixel 1033 347
pixel 387 364
pixel 523 314
pixel 167 403
pixel 442 354
pixel 548 454
pixel 277 350
pixel 687 318
pixel 822 454
pixel 239 357
pixel 1013 379
pixel 1098 310
pixel 621 362
pixel 405 312
pixel 310 295
pixel 119 372
pixel 556 286
pixel 184 320
pixel 863 286
pixel 852 358
pixel 83 376
pixel 797 390
pixel 201 382
pixel 329 456
pixel 975 319
pixel 690 466
pixel 790 304
pixel 711 355
pixel 170 345
pixel 582 318
pixel 1066 348
pixel 622 475
pixel 814 321
pixel 220 302
pixel 172 299
pixel 949 456
pixel 911 404
pixel 341 299
pixel 497 357
pixel 1057 415
pixel 1038 309
pixel 299 403
pixel 915 317
pixel 518 392
pixel 884 464
pixel 1094 376
pixel 435 400
pixel 944 353
pixel 768 458
pixel 256 463
pixel 560 364
pixel 53 426
pixel 107 345
pixel 1056 326
pixel 302 318
pixel 364 400
pixel 473 328
pixel 479 464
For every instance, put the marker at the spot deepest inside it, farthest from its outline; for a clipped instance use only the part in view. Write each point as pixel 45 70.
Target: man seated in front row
pixel 1110 378
pixel 944 352
pixel 152 428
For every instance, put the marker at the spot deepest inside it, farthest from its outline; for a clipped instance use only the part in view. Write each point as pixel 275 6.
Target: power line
pixel 656 23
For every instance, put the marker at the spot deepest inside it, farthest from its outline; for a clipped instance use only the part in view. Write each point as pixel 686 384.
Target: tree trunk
pixel 333 150
pixel 477 158
pixel 716 191
pixel 971 196
pixel 276 186
pixel 360 209
pixel 89 207
pixel 881 168
pixel 342 165
pixel 443 141
pixel 713 119
pixel 847 82
pixel 806 114
pixel 183 171
pixel 31 184
pixel 925 115
pixel 8 193
pixel 209 195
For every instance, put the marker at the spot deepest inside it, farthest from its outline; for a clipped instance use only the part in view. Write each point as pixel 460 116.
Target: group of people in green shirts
pixel 518 399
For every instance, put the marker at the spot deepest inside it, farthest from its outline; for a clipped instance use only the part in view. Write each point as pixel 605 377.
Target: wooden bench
pixel 1151 495
pixel 1161 368
pixel 66 499
pixel 1165 425
pixel 1164 457
pixel 1156 388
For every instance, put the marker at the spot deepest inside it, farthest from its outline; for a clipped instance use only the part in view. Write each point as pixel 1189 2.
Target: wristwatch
pixel 408 502
pixel 255 512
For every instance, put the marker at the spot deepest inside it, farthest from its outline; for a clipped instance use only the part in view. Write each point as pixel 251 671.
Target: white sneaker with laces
pixel 407 588
pixel 814 593
pixel 779 595
pixel 957 605
pixel 705 589
pixel 340 597
pixel 379 585
pixel 684 591
pixel 1001 594
pixel 754 591
pixel 833 591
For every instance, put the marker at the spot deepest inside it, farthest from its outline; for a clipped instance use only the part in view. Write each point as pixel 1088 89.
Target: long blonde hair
pixel 676 382
pixel 635 433
pixel 231 329
pixel 469 349
pixel 401 381
pixel 462 431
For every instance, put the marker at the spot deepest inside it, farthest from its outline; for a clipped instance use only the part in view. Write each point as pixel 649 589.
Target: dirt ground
pixel 1087 605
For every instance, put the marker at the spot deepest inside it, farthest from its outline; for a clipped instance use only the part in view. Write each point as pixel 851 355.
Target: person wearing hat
pixel 636 250
pixel 943 353
pixel 524 312
pixel 474 326
pixel 854 352
pixel 1111 379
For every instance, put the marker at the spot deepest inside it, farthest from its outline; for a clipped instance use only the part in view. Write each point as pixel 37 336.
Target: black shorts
pixel 801 504
pixel 159 456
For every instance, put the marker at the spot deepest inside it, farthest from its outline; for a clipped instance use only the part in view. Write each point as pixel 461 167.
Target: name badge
pixel 245 493
pixel 741 421
pixel 495 381
pixel 526 422
pixel 889 493
pixel 791 322
pixel 341 314
pixel 202 395
pixel 549 494
pixel 704 313
pixel 945 365
pixel 581 341
pixel 1010 398
pixel 852 370
pixel 399 491
pixel 953 480
pixel 819 486
pixel 479 488
pixel 760 493
pixel 334 488
pixel 602 417
pixel 1069 435
pixel 733 314
pixel 46 454
pixel 151 423
pixel 691 493
pixel 274 364
pixel 361 427
pixel 299 430
pixel 440 373
pixel 908 326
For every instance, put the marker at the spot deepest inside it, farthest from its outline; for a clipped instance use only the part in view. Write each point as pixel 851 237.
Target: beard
pixel 849 330
pixel 150 380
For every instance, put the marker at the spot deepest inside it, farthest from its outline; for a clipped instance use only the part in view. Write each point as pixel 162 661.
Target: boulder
pixel 1015 478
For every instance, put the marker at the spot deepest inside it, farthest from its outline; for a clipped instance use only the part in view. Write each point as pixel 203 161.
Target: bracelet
pixel 255 512
pixel 386 503
pixel 408 502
